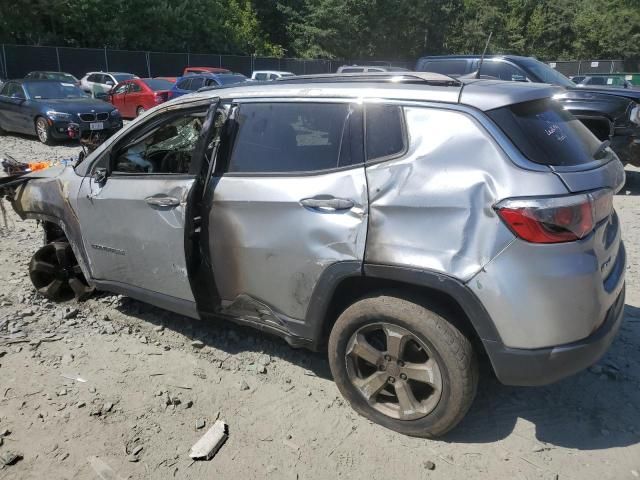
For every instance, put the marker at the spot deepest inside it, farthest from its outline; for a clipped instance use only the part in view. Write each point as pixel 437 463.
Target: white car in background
pixel 102 82
pixel 268 75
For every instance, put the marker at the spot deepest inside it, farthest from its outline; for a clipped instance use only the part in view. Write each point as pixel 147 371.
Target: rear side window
pixel 295 137
pixel 352 70
pixel 196 83
pixel 446 67
pixel 184 84
pixel 384 131
pixel 502 71
pixel 547 134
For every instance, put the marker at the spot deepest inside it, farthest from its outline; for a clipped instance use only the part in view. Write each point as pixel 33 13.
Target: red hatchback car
pixel 134 97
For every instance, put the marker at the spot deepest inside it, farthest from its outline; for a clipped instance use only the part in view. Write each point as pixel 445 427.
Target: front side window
pixel 94 77
pixel 261 76
pixel 120 89
pixel 352 70
pixel 165 149
pixel 294 137
pixel 502 71
pixel 385 136
pixel 196 83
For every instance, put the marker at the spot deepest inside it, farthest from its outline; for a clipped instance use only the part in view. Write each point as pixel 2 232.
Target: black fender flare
pixel 333 275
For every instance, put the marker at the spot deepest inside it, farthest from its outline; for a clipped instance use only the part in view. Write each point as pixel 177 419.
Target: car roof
pixel 210 75
pixel 421 86
pixel 506 56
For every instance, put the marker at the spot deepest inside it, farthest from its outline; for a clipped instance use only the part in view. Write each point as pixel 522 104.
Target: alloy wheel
pixel 395 371
pixel 42 130
pixel 55 273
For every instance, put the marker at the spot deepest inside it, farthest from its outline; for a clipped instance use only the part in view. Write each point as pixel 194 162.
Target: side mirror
pixel 100 176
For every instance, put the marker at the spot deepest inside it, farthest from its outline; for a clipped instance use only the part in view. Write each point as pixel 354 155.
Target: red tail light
pixel 556 219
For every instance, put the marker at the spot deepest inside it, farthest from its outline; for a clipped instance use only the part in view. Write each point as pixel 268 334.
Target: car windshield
pixel 229 79
pixel 156 84
pixel 545 73
pixel 59 76
pixel 121 77
pixel 53 90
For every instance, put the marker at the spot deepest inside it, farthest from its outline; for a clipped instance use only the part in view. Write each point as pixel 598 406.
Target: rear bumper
pixel 541 366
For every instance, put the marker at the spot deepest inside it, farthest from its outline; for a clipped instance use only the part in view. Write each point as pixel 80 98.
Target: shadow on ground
pixel 588 411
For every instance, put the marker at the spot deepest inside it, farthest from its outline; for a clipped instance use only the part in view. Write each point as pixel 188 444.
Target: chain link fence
pixel 586 67
pixel 18 60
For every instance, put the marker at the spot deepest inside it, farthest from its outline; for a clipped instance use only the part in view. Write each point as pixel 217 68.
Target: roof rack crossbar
pixel 427 78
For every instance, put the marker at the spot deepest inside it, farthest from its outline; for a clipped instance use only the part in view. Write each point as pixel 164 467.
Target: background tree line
pixel 389 29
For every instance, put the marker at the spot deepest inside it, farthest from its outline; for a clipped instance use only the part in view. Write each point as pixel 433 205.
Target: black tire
pixel 56 275
pixel 43 131
pixel 445 344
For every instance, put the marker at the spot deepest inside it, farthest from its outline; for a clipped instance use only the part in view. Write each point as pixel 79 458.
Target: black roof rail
pixel 418 78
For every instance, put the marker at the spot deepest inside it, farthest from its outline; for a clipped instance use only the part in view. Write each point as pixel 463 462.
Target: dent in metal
pixel 432 208
pixel 265 245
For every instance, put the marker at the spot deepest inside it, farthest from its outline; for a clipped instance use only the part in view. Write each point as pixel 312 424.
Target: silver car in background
pixel 406 223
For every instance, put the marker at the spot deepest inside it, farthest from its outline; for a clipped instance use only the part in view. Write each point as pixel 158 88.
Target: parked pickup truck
pixel 610 113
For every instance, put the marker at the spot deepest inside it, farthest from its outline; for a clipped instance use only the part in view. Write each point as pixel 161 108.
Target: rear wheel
pixel 43 131
pixel 140 111
pixel 402 365
pixel 55 273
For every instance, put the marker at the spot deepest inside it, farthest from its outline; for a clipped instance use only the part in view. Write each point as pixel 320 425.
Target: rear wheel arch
pixel 343 285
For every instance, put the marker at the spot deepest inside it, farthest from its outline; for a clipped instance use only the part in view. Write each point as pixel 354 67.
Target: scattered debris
pixel 244 385
pixel 210 443
pixel 137 450
pixel 200 423
pixel 73 377
pixel 197 344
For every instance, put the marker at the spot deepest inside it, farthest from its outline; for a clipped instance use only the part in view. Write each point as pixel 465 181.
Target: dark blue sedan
pixel 47 109
pixel 192 83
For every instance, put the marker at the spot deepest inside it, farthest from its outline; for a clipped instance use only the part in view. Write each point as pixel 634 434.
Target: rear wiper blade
pixel 601 149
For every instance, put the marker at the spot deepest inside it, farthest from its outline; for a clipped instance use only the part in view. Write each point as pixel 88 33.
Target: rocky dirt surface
pixel 113 388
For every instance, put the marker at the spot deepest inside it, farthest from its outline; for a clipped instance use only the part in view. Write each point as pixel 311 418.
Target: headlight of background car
pixel 635 115
pixel 53 115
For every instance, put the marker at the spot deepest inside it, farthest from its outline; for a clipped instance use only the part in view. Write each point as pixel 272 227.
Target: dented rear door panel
pixel 266 246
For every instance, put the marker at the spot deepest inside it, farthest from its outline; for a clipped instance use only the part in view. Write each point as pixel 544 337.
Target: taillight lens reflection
pixel 556 219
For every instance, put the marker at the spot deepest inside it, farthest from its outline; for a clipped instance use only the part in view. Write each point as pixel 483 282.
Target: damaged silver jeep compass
pixel 408 223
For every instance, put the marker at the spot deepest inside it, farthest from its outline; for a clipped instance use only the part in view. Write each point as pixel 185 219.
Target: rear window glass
pixel 546 133
pixel 446 67
pixel 156 84
pixel 384 131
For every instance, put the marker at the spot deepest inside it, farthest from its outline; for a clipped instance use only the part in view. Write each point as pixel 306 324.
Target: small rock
pixel 200 423
pixel 5 432
pixel 308 393
pixel 244 385
pixel 81 404
pixel 538 448
pixel 197 344
pixel 429 465
pixel 62 392
pixel 635 473
pixel 132 458
pixel 71 313
pixel 92 389
pixel 9 457
pixel 70 323
pixel 264 360
pixel 188 404
pixel 107 407
pixel 159 328
pixel 159 393
pixel 262 369
pixel 137 450
pixel 143 339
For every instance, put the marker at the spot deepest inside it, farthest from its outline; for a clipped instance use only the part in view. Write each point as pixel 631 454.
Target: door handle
pixel 330 204
pixel 162 201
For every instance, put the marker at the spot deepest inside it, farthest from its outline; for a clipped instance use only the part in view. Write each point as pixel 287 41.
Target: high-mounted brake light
pixel 556 219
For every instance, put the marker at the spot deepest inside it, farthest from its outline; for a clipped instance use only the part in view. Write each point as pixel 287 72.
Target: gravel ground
pixel 148 378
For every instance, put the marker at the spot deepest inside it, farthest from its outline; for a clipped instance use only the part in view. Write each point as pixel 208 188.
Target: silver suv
pixel 407 223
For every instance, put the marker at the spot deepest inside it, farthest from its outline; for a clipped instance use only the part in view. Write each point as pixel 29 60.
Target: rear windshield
pixel 156 84
pixel 121 77
pixel 227 79
pixel 547 134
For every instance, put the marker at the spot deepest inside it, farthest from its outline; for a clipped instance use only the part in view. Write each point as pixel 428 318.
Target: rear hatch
pixel 549 135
